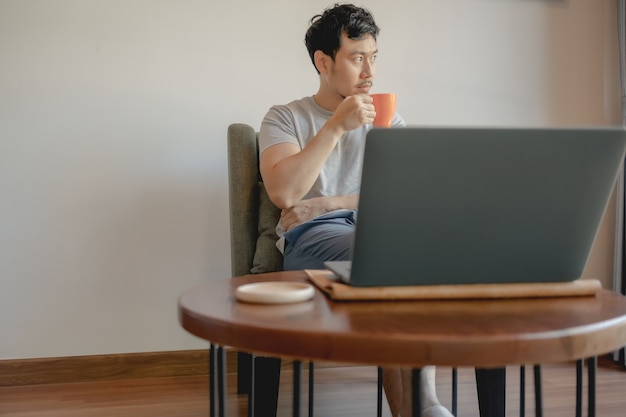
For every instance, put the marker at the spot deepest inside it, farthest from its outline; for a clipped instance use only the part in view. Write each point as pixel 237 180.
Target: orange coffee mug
pixel 385 106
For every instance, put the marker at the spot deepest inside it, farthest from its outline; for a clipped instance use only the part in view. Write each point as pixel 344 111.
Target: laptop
pixel 480 205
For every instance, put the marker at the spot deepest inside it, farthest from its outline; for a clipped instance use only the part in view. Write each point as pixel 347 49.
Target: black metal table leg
pixel 579 387
pixel 538 392
pixel 297 377
pixel 311 387
pixel 491 388
pixel 212 379
pixel 221 383
pixel 379 393
pixel 592 365
pixel 416 382
pixel 455 390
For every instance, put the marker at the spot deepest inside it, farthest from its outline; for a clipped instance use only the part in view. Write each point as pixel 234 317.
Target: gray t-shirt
pixel 298 122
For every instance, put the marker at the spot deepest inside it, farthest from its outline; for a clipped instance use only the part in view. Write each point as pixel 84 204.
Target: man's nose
pixel 368 70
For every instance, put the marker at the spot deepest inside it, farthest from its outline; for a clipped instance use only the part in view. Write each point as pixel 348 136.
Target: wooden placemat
pixel 328 282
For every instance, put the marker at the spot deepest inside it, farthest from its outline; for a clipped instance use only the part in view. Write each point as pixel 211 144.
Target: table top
pixel 478 333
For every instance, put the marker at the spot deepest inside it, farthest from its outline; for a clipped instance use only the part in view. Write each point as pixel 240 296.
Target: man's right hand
pixel 354 112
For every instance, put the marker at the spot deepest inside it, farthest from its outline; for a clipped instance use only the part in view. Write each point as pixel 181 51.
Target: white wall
pixel 113 116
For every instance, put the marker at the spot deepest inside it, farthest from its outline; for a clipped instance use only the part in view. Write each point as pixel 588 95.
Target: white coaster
pixel 275 292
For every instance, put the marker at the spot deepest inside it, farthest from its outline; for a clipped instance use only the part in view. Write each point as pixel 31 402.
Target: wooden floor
pixel 339 391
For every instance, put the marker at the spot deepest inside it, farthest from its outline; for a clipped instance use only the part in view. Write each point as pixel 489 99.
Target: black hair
pixel 326 29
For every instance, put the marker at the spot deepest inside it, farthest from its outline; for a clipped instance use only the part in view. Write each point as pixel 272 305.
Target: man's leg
pixel 392 384
pixel 398 389
pixel 310 244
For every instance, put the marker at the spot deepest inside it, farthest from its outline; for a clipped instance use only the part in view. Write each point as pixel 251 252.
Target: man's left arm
pixel 307 209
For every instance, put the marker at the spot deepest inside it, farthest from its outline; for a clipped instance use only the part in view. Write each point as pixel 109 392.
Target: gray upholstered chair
pixel 253 219
pixel 253 216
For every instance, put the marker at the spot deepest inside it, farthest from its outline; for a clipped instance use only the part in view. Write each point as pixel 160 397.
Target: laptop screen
pixel 474 205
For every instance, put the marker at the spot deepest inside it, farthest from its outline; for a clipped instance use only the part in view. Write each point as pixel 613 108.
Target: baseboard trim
pixel 72 369
pixel 106 367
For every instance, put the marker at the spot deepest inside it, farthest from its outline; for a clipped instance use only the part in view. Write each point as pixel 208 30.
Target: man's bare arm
pixel 307 209
pixel 289 172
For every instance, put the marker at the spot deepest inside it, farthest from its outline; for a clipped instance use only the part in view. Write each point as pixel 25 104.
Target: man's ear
pixel 321 61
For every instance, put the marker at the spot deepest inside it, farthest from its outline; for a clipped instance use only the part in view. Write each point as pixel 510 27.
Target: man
pixel 312 149
pixel 311 153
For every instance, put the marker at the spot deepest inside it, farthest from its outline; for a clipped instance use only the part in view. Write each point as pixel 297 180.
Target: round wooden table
pixel 476 333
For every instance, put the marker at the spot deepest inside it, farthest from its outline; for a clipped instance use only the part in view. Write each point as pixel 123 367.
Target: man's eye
pixel 373 58
pixel 358 59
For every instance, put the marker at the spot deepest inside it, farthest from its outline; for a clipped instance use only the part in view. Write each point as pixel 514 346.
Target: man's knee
pixel 318 245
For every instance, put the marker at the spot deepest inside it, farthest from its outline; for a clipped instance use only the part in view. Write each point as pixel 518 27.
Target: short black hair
pixel 326 29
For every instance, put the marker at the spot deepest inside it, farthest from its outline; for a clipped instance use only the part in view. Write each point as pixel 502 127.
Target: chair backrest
pixel 253 216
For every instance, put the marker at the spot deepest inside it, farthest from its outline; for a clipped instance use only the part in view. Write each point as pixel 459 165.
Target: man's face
pixel 352 72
